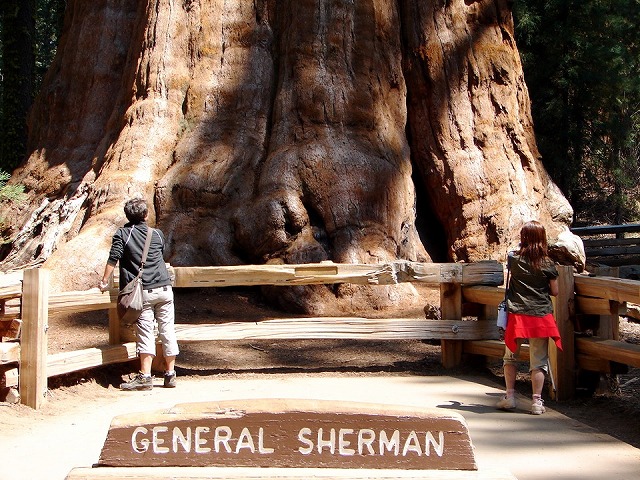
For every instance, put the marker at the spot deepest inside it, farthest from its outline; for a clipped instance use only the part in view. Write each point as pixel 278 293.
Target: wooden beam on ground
pixel 339 328
pixel 277 438
pixel 284 432
pixel 611 288
pixel 487 272
pixel 612 350
pixel 66 362
pixel 33 352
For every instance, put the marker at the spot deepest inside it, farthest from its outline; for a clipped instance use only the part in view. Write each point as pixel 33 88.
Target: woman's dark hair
pixel 533 243
pixel 135 210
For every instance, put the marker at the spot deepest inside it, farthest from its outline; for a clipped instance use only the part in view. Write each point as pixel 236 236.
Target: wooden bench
pixel 288 438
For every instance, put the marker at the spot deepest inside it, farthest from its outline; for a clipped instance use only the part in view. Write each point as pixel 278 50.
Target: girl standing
pixel 534 279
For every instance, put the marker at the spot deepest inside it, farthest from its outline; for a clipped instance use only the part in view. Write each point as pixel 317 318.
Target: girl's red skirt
pixel 529 326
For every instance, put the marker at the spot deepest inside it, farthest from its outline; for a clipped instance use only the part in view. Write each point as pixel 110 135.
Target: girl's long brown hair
pixel 533 243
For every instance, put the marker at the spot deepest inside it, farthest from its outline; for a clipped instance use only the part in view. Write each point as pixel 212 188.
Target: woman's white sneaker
pixel 506 403
pixel 537 406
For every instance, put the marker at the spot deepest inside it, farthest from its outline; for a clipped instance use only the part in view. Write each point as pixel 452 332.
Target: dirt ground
pixel 612 408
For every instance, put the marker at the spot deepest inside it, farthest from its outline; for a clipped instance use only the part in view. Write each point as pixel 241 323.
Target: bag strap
pixel 145 251
pixel 506 283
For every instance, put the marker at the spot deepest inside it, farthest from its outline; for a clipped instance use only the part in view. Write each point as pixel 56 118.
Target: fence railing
pixel 613 245
pixel 460 286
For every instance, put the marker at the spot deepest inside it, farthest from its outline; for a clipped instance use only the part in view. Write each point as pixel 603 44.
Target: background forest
pixel 581 62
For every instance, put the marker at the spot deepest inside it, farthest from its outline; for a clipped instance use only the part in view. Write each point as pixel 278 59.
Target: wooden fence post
pixel 451 309
pixel 563 364
pixel 33 340
pixel 114 319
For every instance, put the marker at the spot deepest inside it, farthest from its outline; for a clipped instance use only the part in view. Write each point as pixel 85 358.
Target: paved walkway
pixel 530 447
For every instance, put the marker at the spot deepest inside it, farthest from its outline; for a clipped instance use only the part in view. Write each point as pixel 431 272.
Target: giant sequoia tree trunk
pixel 293 130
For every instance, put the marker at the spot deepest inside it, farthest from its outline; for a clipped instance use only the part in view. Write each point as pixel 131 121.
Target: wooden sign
pixel 291 433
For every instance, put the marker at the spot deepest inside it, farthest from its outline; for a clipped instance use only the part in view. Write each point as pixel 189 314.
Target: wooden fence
pixel 26 305
pixel 613 245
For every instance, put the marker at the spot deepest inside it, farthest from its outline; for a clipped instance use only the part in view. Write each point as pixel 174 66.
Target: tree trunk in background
pixel 293 131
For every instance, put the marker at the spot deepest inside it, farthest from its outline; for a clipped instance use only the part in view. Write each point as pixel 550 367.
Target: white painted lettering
pixel 261 448
pixel 389 444
pixel 142 445
pixel 245 441
pixel 366 438
pixel 330 442
pixel 430 441
pixel 222 436
pixel 343 443
pixel 157 441
pixel 182 439
pixel 412 444
pixel 200 440
pixel 302 437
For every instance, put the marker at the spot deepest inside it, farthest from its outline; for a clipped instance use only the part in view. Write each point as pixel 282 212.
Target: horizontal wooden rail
pixel 611 288
pixel 612 350
pixel 339 327
pixel 612 251
pixel 608 242
pixel 11 285
pixel 495 349
pixel 492 349
pixel 606 229
pixel 9 352
pixel 592 306
pixel 84 301
pixel 483 295
pixel 67 362
pixel 486 272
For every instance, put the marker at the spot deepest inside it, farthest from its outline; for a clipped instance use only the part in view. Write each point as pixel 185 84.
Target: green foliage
pixel 11 193
pixel 582 63
pixel 49 16
pixel 29 31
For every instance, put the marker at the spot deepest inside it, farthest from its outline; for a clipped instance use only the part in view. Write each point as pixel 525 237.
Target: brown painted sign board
pixel 291 433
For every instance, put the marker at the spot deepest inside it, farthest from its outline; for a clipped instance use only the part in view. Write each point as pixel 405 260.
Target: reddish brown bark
pixel 294 131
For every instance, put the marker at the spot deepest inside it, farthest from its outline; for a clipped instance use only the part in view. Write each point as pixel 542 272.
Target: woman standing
pixel 126 249
pixel 534 278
